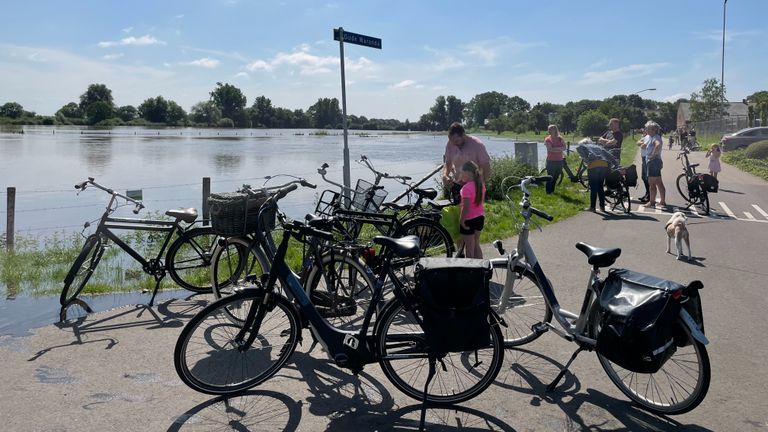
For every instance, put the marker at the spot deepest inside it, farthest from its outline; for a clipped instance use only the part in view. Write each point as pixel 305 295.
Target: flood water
pixel 43 163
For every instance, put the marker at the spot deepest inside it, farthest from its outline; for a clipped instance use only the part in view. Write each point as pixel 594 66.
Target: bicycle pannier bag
pixel 630 174
pixel 709 183
pixel 613 180
pixel 639 315
pixel 691 302
pixel 453 297
pixel 694 187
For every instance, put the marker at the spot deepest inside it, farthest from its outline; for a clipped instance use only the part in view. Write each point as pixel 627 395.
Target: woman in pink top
pixel 555 152
pixel 472 216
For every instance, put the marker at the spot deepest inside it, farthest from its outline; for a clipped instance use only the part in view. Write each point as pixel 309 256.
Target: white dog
pixel 676 229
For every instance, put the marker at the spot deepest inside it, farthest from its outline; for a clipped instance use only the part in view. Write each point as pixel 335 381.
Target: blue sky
pixel 555 50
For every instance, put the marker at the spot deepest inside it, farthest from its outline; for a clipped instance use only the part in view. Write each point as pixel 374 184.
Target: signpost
pixel 340 35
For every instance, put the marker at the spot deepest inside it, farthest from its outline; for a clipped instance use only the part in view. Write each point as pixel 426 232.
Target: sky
pixel 543 51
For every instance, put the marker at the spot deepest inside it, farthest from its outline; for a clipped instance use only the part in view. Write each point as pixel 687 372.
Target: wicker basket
pixel 235 213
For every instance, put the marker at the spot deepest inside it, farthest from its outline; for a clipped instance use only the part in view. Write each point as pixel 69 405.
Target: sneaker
pixel 644 199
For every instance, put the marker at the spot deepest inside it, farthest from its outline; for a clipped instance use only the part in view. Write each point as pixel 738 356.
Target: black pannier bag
pixel 236 213
pixel 613 179
pixel 638 320
pixel 709 183
pixel 453 298
pixel 630 175
pixel 691 302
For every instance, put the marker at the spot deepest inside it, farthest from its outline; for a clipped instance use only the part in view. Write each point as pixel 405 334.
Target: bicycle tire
pixel 682 188
pixel 82 269
pixel 443 389
pixel 434 239
pixel 526 306
pixel 189 259
pixel 583 175
pixel 349 296
pixel 558 180
pixel 208 359
pixel 624 199
pixel 705 201
pixel 666 384
pixel 236 263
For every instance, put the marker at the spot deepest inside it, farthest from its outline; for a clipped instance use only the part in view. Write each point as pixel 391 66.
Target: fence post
pixel 206 193
pixel 11 210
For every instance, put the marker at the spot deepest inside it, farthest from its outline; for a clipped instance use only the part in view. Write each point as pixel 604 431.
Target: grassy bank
pixel 757 167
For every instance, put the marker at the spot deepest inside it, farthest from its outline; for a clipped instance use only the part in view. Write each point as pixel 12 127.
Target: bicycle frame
pixel 108 224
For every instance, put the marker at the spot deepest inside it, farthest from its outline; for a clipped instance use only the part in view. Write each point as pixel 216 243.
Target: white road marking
pixel 761 211
pixel 749 216
pixel 726 209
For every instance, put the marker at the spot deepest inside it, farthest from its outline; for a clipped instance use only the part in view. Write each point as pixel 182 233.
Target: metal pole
pixel 206 194
pixel 11 218
pixel 418 183
pixel 722 68
pixel 347 180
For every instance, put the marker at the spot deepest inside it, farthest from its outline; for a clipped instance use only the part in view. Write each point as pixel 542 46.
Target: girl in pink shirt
pixel 472 217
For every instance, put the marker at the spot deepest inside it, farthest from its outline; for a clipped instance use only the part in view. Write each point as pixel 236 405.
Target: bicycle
pixel 331 272
pixel 690 184
pixel 188 257
pixel 524 298
pixel 242 340
pixel 617 184
pixel 579 177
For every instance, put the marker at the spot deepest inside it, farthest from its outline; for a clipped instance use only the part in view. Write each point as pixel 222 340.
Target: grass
pixel 737 158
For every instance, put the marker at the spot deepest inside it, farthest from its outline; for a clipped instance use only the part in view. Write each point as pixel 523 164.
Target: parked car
pixel 743 138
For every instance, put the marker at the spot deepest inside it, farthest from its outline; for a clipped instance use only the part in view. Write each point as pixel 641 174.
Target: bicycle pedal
pixel 540 328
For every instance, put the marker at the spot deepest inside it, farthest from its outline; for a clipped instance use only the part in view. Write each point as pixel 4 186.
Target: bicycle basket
pixel 366 198
pixel 328 203
pixel 453 298
pixel 236 213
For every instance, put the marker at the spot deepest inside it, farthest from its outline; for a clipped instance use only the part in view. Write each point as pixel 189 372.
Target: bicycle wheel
pixel 402 352
pixel 209 359
pixel 434 239
pixel 82 269
pixel 682 187
pixel 341 290
pixel 524 306
pixel 189 259
pixel 623 198
pixel 583 175
pixel 704 201
pixel 236 263
pixel 678 387
pixel 558 179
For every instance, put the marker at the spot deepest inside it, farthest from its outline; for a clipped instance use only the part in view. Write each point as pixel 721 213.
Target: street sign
pixel 358 39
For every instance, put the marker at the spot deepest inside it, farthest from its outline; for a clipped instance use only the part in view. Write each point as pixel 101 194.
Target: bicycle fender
pixel 695 331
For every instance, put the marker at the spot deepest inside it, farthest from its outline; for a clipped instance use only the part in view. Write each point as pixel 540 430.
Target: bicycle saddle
pixel 426 193
pixel 600 257
pixel 319 222
pixel 407 246
pixel 187 215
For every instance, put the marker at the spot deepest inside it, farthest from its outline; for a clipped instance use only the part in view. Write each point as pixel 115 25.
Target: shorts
pixel 654 167
pixel 474 224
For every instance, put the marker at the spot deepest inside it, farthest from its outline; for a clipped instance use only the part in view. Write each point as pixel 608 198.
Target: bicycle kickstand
pixel 158 279
pixel 553 384
pixel 430 375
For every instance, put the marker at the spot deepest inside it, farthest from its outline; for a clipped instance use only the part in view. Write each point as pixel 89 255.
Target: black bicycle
pixel 187 261
pixel 617 184
pixel 579 177
pixel 692 186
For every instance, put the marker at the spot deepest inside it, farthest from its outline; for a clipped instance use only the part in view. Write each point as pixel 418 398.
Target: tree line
pixel 227 107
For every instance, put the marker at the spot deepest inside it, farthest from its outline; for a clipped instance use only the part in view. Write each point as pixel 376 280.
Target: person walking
pixel 555 156
pixel 654 165
pixel 472 217
pixel 599 162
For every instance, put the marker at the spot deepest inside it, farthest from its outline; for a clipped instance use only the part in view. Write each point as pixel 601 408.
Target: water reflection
pixel 225 162
pixel 96 152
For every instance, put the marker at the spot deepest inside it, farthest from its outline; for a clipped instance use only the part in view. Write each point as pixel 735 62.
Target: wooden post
pixel 11 209
pixel 206 193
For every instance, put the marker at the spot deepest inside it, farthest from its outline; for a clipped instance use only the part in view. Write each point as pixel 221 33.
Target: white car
pixel 743 138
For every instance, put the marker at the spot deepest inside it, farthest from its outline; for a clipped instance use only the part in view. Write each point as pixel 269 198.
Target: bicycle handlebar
pixel 364 159
pixel 138 205
pixel 541 214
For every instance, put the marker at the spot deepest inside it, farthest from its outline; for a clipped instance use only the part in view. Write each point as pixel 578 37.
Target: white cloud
pixel 405 84
pixel 730 36
pixel 599 63
pixel 204 62
pixel 179 16
pixel 227 54
pixel 489 51
pixel 675 97
pixel 242 75
pixel 130 40
pixel 127 30
pixel 259 65
pixel 621 73
pixel 36 57
pixel 310 64
pixel 112 56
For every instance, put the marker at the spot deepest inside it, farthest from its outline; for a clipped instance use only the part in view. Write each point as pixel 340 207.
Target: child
pixel 472 216
pixel 714 160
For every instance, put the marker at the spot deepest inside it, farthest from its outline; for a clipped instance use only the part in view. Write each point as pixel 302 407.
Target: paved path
pixel 114 371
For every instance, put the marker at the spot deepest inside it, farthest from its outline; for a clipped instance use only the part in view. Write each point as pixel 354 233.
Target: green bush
pixel 502 167
pixel 758 150
pixel 225 123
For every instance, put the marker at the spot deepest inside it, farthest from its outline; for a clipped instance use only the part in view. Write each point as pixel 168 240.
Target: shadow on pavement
pixel 256 410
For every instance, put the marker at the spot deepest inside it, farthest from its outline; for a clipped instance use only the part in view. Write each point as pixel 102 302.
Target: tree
pixel 99 111
pixel 175 115
pixel 665 116
pixel 499 124
pixel 127 113
pixel 519 122
pixel 205 112
pixel 96 93
pixel 760 99
pixel 263 113
pixel 516 103
pixel 231 102
pixel 439 114
pixel 70 110
pixel 154 110
pixel 484 106
pixel 539 118
pixel 708 103
pixel 11 110
pixel 325 113
pixel 592 123
pixel 455 108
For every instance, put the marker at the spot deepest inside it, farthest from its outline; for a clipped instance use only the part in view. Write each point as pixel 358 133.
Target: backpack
pixel 453 298
pixel 638 319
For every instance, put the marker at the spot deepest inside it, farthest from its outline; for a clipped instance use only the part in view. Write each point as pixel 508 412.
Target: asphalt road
pixel 114 371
